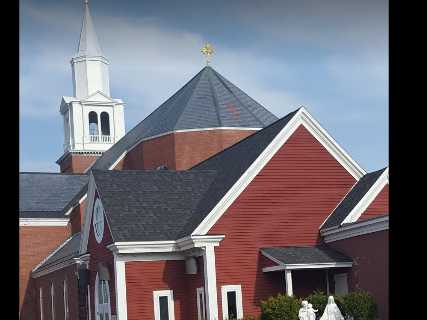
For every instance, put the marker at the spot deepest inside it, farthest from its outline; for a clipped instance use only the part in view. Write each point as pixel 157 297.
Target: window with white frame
pixel 102 299
pixel 41 303
pixel 201 306
pixel 66 310
pixel 163 305
pixel 52 298
pixel 232 307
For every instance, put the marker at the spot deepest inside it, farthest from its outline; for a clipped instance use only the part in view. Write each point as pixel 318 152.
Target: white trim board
pixel 239 303
pixel 43 222
pixel 355 229
pixel 302 117
pixel 171 309
pixel 368 198
pixel 303 266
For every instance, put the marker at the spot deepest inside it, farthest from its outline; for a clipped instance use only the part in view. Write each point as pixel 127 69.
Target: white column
pixel 210 283
pixel 327 281
pixel 120 277
pixel 288 280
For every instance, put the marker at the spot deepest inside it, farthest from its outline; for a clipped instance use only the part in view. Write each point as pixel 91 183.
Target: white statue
pixel 311 312
pixel 332 312
pixel 303 311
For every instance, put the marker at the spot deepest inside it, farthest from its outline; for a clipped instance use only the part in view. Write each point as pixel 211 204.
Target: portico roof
pixel 305 257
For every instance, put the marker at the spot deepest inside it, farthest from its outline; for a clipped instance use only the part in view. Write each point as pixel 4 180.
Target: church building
pixel 206 207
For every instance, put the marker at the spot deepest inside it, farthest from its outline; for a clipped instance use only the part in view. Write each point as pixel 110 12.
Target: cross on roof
pixel 207 51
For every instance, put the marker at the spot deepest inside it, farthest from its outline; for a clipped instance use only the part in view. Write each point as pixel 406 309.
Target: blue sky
pixel 330 56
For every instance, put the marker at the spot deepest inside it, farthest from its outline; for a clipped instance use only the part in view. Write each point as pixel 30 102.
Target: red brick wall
pixel 284 205
pixel 57 278
pixel 35 244
pixel 370 266
pixel 180 150
pixel 100 254
pixel 76 163
pixel 378 207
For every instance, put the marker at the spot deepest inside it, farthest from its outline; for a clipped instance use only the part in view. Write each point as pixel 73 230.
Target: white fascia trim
pixel 120 283
pixel 367 199
pixel 43 222
pixel 302 117
pixel 164 246
pixel 355 229
pixel 79 202
pixel 88 214
pixel 302 266
pixel 56 267
pixel 177 131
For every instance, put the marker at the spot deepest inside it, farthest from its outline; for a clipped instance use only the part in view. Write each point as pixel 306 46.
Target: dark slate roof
pixel 69 249
pixel 150 205
pixel 208 100
pixel 351 199
pixel 299 255
pixel 155 205
pixel 49 195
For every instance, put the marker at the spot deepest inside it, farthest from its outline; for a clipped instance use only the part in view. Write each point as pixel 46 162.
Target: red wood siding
pixel 142 278
pixel 57 278
pixel 370 265
pixel 284 205
pixel 378 207
pixel 35 244
pixel 100 254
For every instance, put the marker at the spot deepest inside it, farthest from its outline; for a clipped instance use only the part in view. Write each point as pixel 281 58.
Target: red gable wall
pixel 284 205
pixel 378 207
pixel 100 254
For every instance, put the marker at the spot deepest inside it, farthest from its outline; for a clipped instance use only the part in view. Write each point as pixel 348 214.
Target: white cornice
pixel 302 117
pixel 367 199
pixel 56 267
pixel 164 246
pixel 355 229
pixel 43 222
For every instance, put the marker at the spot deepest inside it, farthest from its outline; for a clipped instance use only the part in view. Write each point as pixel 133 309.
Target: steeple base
pixel 77 162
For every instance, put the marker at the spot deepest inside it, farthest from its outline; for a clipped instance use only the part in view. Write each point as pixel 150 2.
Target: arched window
pixel 105 124
pixel 102 298
pixel 93 123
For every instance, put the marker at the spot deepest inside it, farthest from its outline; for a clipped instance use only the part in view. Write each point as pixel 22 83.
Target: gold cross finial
pixel 207 51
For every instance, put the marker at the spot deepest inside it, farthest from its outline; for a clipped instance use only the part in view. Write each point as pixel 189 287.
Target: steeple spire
pixel 88 44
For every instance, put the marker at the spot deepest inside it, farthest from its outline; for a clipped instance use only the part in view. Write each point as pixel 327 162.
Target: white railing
pixel 99 139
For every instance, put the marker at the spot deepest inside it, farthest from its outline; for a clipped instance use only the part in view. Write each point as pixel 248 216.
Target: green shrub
pixel 359 305
pixel 281 307
pixel 319 300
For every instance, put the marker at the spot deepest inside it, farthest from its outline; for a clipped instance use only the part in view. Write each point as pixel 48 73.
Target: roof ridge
pixel 56 173
pixel 221 79
pixel 215 98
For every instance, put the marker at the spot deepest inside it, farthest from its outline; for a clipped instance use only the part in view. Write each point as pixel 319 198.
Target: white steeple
pixel 93 120
pixel 90 66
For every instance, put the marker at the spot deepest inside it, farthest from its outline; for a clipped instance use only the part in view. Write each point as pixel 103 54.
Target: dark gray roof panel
pixel 69 249
pixel 352 199
pixel 303 255
pixel 150 205
pixel 48 194
pixel 208 100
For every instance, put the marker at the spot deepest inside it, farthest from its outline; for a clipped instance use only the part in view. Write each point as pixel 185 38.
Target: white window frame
pixel 239 303
pixel 105 307
pixel 342 280
pixel 41 303
pixel 98 220
pixel 52 300
pixel 66 307
pixel 201 305
pixel 169 295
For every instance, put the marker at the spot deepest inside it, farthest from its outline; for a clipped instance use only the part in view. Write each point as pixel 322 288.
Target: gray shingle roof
pixel 69 249
pixel 311 255
pixel 168 205
pixel 352 199
pixel 48 195
pixel 208 100
pixel 150 205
